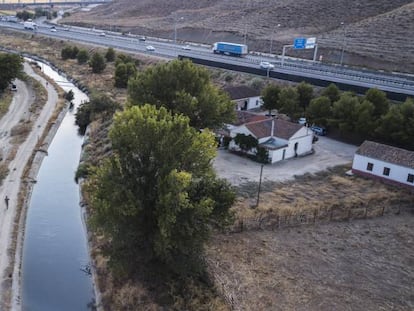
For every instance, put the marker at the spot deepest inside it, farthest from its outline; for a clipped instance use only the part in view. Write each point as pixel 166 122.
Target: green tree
pixel 157 197
pixel 270 97
pixel 262 155
pixel 69 95
pixel 11 67
pixel 397 125
pixel 379 100
pixel 74 52
pixel 289 100
pixel 365 122
pixel 344 113
pixel 305 94
pixel 319 111
pixel 97 63
pixel 332 92
pixel 123 72
pixel 245 142
pixel 99 105
pixel 24 15
pixel 66 52
pixel 182 87
pixel 110 55
pixel 83 56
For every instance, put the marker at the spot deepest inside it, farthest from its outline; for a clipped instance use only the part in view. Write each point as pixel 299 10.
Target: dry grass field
pixel 356 265
pixel 373 32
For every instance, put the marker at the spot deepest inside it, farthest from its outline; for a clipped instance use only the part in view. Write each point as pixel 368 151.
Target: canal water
pixel 55 252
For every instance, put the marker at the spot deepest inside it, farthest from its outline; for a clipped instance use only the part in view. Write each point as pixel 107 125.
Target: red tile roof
pixel 387 153
pixel 282 129
pixel 243 117
pixel 241 92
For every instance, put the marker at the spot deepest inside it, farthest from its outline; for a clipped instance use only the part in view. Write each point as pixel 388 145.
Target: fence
pixel 266 221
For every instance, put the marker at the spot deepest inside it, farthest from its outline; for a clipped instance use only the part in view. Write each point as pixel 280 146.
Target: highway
pixel 397 85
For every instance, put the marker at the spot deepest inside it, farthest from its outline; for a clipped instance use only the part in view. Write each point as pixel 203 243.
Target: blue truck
pixel 231 49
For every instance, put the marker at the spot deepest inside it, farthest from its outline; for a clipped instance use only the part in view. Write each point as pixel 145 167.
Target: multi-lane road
pixel 397 85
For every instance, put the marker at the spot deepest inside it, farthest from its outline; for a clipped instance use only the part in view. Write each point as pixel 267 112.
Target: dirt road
pixel 19 110
pixel 328 153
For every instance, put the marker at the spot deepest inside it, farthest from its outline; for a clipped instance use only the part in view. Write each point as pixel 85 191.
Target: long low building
pixel 390 164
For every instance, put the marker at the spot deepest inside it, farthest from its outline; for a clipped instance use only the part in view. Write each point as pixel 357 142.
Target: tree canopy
pixel 11 67
pixel 157 196
pixel 182 87
pixel 270 97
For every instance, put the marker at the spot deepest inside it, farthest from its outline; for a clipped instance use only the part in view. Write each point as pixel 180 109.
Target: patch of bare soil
pixel 374 33
pixel 361 265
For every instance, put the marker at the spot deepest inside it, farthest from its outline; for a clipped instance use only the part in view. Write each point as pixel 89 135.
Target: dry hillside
pixel 375 31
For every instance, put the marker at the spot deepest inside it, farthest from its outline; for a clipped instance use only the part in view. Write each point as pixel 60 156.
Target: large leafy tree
pixel 270 97
pixel 182 87
pixel 289 100
pixel 305 94
pixel 344 113
pixel 97 63
pixel 379 100
pixel 319 111
pixel 397 125
pixel 332 92
pixel 157 197
pixel 11 67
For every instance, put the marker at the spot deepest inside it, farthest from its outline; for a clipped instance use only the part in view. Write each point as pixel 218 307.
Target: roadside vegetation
pixel 345 114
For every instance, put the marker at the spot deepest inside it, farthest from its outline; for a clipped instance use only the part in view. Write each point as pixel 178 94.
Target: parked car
pixel 266 65
pixel 150 48
pixel 13 87
pixel 302 121
pixel 319 130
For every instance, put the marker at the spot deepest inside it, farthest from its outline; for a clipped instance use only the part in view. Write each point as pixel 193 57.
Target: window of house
pixel 370 166
pixel 386 171
pixel 410 178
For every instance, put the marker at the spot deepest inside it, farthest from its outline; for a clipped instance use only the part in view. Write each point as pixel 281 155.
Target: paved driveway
pixel 328 153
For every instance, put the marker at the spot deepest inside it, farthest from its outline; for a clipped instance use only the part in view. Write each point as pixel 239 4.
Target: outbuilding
pixel 390 164
pixel 244 97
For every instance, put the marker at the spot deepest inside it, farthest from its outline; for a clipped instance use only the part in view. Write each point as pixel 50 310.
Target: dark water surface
pixel 55 246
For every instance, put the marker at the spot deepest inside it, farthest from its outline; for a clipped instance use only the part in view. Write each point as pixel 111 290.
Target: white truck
pixel 30 25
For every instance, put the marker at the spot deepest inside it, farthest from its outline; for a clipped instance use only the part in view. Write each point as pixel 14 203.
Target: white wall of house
pixel 303 141
pixel 238 130
pixel 277 155
pixel 252 103
pixel 397 173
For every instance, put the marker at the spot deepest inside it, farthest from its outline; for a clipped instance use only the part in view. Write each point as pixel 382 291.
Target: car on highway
pixel 266 65
pixel 53 29
pixel 150 48
pixel 142 38
pixel 186 47
pixel 102 34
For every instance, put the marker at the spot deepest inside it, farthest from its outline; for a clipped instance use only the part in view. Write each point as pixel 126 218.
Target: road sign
pixel 310 43
pixel 299 43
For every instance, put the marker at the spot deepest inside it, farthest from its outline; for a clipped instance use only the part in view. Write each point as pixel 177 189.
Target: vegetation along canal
pixel 55 254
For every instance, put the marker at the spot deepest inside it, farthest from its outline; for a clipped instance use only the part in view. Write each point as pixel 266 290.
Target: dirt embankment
pixel 374 33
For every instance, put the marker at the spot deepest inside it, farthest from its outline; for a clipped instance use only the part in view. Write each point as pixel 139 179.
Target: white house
pixel 245 98
pixel 282 139
pixel 387 163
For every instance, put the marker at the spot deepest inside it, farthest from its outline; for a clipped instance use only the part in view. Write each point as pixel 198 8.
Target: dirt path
pixel 11 184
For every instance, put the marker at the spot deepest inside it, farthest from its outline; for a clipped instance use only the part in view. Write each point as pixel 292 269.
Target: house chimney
pixel 273 127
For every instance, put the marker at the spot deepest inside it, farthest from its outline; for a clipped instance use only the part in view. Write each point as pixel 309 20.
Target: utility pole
pixel 271 38
pixel 260 184
pixel 343 44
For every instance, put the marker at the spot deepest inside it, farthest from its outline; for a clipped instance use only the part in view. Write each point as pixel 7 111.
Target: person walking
pixel 6 199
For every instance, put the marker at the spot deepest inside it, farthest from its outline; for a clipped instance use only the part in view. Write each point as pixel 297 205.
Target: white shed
pixel 387 163
pixel 245 98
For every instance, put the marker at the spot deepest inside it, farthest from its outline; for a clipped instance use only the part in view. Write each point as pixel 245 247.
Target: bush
pixel 66 52
pixel 83 56
pixel 110 55
pixel 97 63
